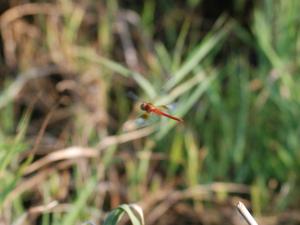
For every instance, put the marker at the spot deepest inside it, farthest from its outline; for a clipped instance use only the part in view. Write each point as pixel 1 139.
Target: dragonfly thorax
pixel 145 107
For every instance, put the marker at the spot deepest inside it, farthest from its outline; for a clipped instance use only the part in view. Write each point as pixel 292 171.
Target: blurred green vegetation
pixel 70 147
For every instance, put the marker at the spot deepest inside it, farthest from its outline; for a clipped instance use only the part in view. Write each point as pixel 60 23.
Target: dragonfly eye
pixel 143 106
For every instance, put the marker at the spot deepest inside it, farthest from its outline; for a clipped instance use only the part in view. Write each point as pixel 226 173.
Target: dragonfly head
pixel 144 106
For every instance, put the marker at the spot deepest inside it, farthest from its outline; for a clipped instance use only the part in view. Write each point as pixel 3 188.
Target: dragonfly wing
pixel 164 107
pixel 144 119
pixel 145 116
pixel 169 107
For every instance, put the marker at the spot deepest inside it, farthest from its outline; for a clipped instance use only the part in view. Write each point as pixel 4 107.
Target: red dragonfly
pixel 150 108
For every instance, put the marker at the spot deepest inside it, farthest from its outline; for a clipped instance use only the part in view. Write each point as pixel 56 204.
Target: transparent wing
pixel 170 108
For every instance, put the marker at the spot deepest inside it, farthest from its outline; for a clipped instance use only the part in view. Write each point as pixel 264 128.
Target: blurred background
pixel 73 74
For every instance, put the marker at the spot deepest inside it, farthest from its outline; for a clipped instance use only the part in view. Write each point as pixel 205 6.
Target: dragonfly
pixel 149 108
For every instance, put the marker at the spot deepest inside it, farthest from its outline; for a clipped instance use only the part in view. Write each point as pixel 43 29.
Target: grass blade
pixel 187 105
pixel 202 50
pixel 118 68
pixel 130 210
pixel 80 202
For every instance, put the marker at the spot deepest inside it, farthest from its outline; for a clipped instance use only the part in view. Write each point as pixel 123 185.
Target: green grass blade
pixel 113 217
pixel 134 219
pixel 73 22
pixel 192 164
pixel 263 34
pixel 118 68
pixel 202 50
pixel 181 89
pixel 179 47
pixel 131 210
pixel 185 106
pixel 80 202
